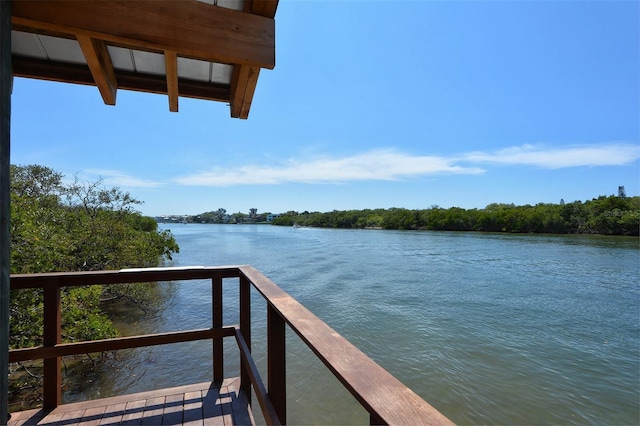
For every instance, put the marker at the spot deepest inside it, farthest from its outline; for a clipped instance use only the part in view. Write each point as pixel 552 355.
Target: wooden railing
pixel 387 400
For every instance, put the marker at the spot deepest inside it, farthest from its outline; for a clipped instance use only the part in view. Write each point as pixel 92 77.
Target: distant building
pixel 172 219
pixel 272 216
pixel 621 192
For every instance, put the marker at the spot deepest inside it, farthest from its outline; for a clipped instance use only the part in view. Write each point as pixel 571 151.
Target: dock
pixel 199 404
pixel 222 401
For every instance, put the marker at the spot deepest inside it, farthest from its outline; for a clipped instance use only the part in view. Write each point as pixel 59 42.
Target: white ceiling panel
pixel 149 63
pixel 62 49
pixel 229 4
pixel 221 73
pixel 121 58
pixel 193 69
pixel 26 44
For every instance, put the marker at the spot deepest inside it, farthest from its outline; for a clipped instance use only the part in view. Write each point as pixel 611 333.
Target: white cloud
pixel 612 154
pixel 374 165
pixel 119 179
pixel 389 165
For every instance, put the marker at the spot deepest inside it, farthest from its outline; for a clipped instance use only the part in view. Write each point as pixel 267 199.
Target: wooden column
pixel 276 363
pixel 218 348
pixel 5 211
pixel 245 328
pixel 52 325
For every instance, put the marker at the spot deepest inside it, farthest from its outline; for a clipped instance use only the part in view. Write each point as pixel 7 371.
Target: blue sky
pixel 375 104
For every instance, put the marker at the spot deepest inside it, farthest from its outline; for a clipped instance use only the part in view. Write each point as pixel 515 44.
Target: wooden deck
pixel 199 404
pixel 384 397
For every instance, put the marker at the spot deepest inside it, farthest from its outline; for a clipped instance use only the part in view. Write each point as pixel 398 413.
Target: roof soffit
pixel 208 45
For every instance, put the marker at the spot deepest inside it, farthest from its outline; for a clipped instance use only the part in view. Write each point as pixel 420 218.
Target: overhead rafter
pixel 243 84
pixel 245 78
pixel 266 8
pixel 99 62
pixel 80 74
pixel 171 66
pixel 177 29
pixel 190 28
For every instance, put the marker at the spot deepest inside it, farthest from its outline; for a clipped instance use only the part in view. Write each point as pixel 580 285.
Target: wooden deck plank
pixel 72 419
pixel 211 410
pixel 28 417
pixel 27 421
pixel 113 413
pixel 224 400
pixel 92 416
pixel 51 418
pixel 196 404
pixel 133 412
pixel 192 409
pixel 153 411
pixel 173 409
pixel 241 411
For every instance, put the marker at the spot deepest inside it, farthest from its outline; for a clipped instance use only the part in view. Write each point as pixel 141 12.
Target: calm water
pixel 492 329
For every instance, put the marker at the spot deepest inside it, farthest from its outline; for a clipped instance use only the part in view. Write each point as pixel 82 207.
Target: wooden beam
pixel 123 276
pixel 171 70
pixel 52 71
pixel 118 343
pixel 99 62
pixel 80 74
pixel 243 85
pixel 192 29
pixel 245 79
pixel 171 66
pixel 266 8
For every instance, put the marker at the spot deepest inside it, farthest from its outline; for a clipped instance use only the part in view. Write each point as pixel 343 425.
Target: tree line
pixel 606 215
pixel 221 216
pixel 59 225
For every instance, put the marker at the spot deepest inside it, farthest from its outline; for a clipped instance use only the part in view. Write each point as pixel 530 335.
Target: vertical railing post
pixel 6 79
pixel 52 325
pixel 276 363
pixel 218 348
pixel 245 328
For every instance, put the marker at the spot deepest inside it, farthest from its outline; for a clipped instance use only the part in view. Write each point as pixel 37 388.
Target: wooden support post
pixel 245 328
pixel 6 77
pixel 171 69
pixel 218 348
pixel 52 325
pixel 99 62
pixel 276 363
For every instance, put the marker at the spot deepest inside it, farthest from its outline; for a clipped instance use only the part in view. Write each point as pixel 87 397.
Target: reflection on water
pixel 489 328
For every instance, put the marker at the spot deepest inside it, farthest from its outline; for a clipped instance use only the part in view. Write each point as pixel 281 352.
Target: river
pixel 488 328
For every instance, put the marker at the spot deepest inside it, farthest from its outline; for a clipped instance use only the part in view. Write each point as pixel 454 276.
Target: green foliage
pixel 26 318
pixel 82 318
pixel 608 215
pixel 283 220
pixel 219 216
pixel 76 227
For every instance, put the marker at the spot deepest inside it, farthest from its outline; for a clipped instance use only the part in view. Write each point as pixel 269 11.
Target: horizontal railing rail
pixel 387 400
pixel 117 343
